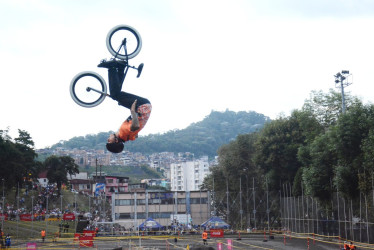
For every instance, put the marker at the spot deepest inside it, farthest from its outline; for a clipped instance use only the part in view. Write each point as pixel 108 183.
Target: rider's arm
pixel 135 121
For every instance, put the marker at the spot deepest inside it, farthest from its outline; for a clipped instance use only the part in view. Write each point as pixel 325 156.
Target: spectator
pixel 205 238
pixel 42 233
pixel 7 241
pixel 2 243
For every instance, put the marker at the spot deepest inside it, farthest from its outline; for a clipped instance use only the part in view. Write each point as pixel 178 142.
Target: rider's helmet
pixel 115 147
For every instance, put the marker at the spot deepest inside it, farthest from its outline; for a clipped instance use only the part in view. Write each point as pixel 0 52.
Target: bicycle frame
pixel 125 48
pixel 126 68
pixel 97 91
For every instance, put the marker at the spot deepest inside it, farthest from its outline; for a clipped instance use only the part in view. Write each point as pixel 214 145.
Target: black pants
pixel 116 77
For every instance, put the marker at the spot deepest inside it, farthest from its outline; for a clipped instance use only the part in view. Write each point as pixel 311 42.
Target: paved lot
pixel 194 242
pixel 159 242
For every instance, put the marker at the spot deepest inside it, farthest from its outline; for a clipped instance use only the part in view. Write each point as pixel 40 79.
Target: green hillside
pixel 200 138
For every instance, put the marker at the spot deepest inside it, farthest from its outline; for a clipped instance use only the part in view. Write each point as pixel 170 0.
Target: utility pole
pixel 341 81
pixel 96 172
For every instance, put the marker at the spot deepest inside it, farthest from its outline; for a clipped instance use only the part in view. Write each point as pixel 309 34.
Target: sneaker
pixel 111 64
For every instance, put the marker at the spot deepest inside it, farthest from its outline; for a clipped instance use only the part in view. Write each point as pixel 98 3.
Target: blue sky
pixel 199 55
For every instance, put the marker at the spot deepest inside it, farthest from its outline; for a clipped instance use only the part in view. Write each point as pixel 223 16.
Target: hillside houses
pixel 160 162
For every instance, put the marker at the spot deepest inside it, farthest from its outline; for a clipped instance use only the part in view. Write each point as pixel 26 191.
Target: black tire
pixel 114 41
pixel 79 89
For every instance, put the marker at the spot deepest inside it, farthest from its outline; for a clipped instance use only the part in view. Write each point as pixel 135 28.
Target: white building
pixel 188 175
pixel 81 176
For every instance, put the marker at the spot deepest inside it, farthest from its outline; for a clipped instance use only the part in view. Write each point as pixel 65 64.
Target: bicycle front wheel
pixel 88 89
pixel 115 38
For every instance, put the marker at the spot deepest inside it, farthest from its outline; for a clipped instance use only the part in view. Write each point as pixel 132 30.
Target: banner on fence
pixel 69 216
pixel 85 241
pixel 25 217
pixel 89 233
pixel 216 233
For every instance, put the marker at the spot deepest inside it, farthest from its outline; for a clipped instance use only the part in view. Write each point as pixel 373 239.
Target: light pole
pixel 245 173
pixel 32 214
pixel 2 217
pixel 341 81
pixel 241 209
pixel 254 203
pixel 17 214
pixel 61 205
pixel 75 212
pixel 104 194
pixel 46 216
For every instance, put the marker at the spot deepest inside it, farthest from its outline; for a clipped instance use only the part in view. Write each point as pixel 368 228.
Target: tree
pixel 29 166
pixel 18 159
pixel 326 107
pixel 58 168
pixel 368 163
pixel 278 145
pixel 352 138
pixel 318 159
pixel 9 156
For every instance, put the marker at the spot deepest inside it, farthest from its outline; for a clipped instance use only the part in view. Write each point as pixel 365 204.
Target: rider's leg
pixel 116 74
pixel 126 99
pixel 116 77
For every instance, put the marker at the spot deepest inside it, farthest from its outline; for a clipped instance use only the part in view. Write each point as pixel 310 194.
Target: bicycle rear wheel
pixel 88 89
pixel 114 42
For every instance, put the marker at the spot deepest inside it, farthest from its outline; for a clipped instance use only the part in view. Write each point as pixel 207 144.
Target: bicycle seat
pixel 140 68
pixel 111 64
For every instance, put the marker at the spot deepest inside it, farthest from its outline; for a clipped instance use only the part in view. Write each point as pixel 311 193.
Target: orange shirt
pixel 205 235
pixel 125 133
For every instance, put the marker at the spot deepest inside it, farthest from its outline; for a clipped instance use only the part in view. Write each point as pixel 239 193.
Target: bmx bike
pixel 88 89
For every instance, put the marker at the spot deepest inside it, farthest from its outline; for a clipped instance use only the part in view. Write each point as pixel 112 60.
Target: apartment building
pixel 188 175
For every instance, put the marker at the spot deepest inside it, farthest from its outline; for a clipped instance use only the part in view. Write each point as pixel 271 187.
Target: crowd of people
pixel 35 209
pixel 38 208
